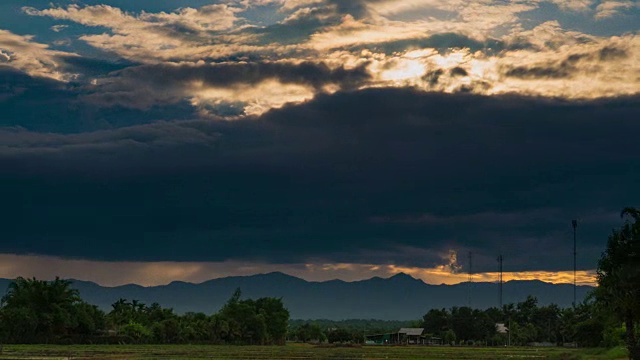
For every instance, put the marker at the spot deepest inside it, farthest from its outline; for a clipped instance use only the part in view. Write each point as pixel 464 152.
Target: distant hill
pixel 400 297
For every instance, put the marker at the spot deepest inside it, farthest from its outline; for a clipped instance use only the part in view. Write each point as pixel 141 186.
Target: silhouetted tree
pixel 43 311
pixel 619 277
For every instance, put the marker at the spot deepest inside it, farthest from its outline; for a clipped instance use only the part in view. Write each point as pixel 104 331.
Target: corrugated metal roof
pixel 411 331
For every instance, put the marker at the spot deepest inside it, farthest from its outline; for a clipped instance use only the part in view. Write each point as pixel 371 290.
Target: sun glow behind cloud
pixel 258 98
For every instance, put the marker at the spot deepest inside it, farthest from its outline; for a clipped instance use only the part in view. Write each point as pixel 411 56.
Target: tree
pixel 312 332
pixel 436 322
pixel 137 333
pixel 276 318
pixel 619 277
pixel 48 308
pixel 89 319
pixel 339 336
pixel 124 312
pixel 450 337
pixel 256 322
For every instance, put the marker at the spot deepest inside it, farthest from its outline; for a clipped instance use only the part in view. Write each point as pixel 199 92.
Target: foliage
pixel 619 278
pixel 342 331
pixel 613 337
pixel 138 333
pixel 40 311
pixel 309 332
pixel 450 337
pixel 585 324
pixel 35 311
pixel 339 336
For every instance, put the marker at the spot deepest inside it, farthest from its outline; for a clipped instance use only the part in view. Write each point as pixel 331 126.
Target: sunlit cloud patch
pixel 479 47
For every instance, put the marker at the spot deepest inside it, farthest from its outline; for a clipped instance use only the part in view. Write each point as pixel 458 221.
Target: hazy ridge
pixel 400 297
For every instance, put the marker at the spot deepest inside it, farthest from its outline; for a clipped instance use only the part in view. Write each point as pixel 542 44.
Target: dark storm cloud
pixel 382 175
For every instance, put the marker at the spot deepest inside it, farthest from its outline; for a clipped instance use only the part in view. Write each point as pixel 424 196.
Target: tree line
pixel 342 331
pixel 586 325
pixel 36 311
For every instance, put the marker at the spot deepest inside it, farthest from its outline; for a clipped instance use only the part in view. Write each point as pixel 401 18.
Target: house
pixel 411 336
pixel 404 336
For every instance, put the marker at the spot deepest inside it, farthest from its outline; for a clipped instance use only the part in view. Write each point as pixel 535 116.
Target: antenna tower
pixel 470 276
pixel 574 223
pixel 500 259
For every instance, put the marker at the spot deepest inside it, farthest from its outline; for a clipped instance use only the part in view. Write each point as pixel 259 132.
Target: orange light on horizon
pixel 441 275
pixel 160 273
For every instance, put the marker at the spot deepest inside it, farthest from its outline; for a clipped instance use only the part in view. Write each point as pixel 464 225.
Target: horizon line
pixel 390 277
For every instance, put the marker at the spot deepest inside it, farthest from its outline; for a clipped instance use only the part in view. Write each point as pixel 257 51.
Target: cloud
pixel 152 37
pixel 59 28
pixel 45 105
pixel 213 17
pixel 301 184
pixel 607 9
pixel 572 64
pixel 22 53
pixel 4 57
pixel 255 87
pixel 452 123
pixel 484 48
pixel 573 5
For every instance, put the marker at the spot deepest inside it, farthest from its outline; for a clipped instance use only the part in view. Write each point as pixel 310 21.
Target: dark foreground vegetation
pixel 35 311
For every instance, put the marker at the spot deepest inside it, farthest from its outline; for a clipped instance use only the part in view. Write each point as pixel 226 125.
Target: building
pixel 404 336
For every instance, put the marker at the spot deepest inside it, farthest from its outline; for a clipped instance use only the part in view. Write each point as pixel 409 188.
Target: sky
pixel 157 140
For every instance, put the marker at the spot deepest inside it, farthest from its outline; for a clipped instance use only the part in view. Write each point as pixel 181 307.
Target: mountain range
pixel 400 297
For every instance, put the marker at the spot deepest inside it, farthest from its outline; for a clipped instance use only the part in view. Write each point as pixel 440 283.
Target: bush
pixel 138 333
pixel 613 337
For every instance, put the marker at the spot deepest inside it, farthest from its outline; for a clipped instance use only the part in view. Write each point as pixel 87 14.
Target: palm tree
pixel 51 304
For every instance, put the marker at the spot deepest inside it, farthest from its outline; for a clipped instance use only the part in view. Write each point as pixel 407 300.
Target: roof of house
pixel 411 331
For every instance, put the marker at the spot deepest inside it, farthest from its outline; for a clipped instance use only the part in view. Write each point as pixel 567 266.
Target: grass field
pixel 298 352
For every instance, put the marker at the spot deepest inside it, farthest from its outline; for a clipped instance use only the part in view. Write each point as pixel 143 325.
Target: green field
pixel 298 352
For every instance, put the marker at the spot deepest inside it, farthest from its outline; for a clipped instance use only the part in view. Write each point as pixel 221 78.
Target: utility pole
pixel 470 277
pixel 500 258
pixel 574 223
